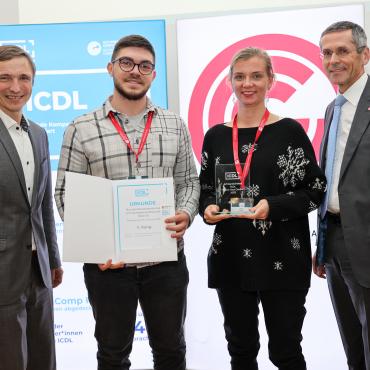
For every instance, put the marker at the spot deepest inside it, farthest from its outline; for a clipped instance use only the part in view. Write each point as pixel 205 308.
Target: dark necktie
pixel 24 124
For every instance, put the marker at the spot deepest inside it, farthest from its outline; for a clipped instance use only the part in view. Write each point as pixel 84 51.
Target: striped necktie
pixel 24 124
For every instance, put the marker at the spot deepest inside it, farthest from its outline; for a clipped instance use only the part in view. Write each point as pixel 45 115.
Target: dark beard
pixel 127 95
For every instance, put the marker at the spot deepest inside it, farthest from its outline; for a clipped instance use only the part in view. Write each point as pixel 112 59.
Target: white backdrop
pixel 302 91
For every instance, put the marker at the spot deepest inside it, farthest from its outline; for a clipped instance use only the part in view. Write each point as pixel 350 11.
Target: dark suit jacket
pixel 19 218
pixel 354 187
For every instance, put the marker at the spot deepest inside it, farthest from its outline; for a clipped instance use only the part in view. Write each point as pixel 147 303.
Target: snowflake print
pixel 252 191
pixel 204 160
pixel 318 184
pixel 293 166
pixel 262 225
pixel 295 244
pixel 312 206
pixel 278 266
pixel 246 148
pixel 217 240
pixel 247 253
pixel 217 160
pixel 212 250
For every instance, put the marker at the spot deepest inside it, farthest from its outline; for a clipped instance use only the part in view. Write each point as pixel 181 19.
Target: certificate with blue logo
pixel 140 208
pixel 119 220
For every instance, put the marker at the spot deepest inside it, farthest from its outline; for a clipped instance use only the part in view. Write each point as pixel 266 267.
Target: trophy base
pixel 235 212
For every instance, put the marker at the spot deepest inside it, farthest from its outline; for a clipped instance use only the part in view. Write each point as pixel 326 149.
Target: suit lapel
pixel 37 163
pixel 13 155
pixel 360 123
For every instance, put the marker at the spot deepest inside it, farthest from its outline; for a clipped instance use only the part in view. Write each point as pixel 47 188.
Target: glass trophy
pixel 230 196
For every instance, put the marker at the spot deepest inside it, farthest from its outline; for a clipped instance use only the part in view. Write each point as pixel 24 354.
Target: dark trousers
pixel 27 328
pixel 351 301
pixel 114 296
pixel 284 314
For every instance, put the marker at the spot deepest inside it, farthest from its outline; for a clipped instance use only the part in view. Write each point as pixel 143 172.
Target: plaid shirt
pixel 92 145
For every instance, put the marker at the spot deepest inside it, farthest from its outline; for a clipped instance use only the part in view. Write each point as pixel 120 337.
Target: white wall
pixel 56 11
pixel 8 12
pixel 46 11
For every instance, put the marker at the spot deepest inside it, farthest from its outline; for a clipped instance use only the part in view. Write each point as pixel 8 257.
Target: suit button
pixel 29 246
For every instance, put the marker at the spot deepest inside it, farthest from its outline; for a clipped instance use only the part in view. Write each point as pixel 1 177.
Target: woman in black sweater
pixel 260 254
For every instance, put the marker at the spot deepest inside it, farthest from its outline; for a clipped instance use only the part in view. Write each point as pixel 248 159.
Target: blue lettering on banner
pixel 139 327
pixel 71 76
pixel 71 304
pixel 65 336
pixel 56 101
pixel 73 301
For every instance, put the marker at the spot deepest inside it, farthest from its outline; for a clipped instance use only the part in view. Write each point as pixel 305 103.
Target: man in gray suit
pixel 343 253
pixel 29 259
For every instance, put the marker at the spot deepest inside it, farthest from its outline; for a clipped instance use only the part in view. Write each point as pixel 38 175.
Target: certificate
pixel 140 208
pixel 119 220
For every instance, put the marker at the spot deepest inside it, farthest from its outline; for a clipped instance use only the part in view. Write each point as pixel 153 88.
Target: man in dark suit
pixel 343 253
pixel 29 259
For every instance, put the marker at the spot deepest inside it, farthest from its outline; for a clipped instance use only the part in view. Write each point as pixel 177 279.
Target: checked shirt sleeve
pixel 185 176
pixel 72 159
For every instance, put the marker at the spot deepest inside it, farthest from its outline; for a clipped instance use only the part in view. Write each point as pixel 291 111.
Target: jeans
pixel 114 296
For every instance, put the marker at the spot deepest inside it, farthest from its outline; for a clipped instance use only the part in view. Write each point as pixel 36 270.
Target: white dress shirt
pixel 23 145
pixel 348 111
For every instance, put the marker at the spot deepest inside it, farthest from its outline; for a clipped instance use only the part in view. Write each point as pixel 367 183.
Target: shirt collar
pixel 354 92
pixel 107 107
pixel 9 121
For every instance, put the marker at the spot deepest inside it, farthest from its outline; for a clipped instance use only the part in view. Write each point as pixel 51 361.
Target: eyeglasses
pixel 128 65
pixel 341 52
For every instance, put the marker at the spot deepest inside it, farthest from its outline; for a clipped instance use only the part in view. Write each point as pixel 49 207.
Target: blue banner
pixel 71 60
pixel 72 79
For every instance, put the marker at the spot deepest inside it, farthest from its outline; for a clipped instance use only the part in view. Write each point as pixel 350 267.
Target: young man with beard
pixel 92 145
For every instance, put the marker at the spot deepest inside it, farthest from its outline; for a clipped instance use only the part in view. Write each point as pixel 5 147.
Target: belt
pixel 334 218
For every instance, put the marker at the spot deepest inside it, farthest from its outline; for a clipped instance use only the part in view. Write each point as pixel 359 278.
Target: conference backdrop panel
pixel 301 91
pixel 71 80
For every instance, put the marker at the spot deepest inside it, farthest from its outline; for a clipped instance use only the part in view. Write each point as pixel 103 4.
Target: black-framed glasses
pixel 127 65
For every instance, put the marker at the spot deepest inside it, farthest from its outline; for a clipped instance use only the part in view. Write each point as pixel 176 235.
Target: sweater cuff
pixel 274 208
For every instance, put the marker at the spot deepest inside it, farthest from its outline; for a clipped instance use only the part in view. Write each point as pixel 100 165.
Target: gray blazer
pixel 18 218
pixel 354 187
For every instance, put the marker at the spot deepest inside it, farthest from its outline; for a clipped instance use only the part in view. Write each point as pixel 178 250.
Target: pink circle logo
pixel 211 97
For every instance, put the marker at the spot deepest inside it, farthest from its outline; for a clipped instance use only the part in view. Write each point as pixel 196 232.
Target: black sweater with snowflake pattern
pixel 273 253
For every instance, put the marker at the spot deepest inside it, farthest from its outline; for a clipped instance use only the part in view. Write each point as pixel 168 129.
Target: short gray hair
pixel 358 34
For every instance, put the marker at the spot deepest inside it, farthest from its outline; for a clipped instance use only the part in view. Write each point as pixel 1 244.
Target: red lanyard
pixel 243 173
pixel 124 137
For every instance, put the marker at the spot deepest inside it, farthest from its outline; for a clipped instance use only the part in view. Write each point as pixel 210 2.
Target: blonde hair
pixel 248 53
